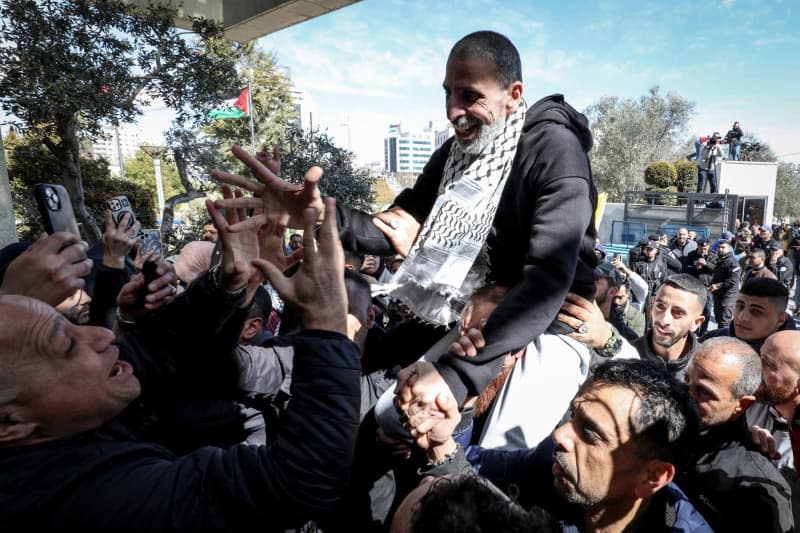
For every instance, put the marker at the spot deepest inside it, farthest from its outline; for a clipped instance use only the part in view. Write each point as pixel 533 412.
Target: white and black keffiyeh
pixel 449 260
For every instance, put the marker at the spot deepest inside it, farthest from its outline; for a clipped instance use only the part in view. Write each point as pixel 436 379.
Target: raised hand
pixel 50 270
pixel 294 198
pixel 238 248
pixel 577 311
pixel 317 289
pixel 118 239
pixel 137 299
pixel 271 160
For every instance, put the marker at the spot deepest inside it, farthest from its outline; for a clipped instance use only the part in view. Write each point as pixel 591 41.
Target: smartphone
pixel 119 205
pixel 151 242
pixel 56 209
pixel 149 271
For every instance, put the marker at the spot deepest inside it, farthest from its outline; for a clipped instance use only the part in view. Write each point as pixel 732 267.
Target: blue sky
pixel 382 61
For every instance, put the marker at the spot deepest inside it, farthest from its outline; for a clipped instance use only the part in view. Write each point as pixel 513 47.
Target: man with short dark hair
pixel 757 268
pixel 209 232
pixel 732 485
pixel 701 264
pixel 681 247
pixel 676 315
pixel 759 311
pixel 490 202
pixel 724 284
pixel 609 468
pixel 764 239
pixel 780 266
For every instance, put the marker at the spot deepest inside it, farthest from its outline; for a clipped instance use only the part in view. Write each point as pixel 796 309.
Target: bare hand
pixel 469 344
pixel 577 310
pixel 399 227
pixel 765 442
pixel 118 239
pixel 50 270
pixel 294 198
pixel 433 427
pixel 238 248
pixel 136 300
pixel 271 160
pixel 317 289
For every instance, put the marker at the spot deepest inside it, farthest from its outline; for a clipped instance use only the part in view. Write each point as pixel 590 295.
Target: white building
pixel 407 151
pixel 116 144
pixel 443 135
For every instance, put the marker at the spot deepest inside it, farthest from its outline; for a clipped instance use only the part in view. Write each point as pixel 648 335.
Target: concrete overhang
pixel 251 19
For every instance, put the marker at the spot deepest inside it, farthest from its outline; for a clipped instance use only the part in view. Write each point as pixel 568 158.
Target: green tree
pixel 787 192
pixel 341 179
pixel 200 145
pixel 30 162
pixel 69 67
pixel 140 170
pixel 630 133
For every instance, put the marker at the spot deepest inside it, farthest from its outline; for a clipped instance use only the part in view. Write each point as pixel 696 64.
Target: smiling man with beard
pixel 676 315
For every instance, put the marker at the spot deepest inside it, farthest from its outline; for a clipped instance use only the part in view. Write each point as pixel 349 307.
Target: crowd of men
pixel 467 360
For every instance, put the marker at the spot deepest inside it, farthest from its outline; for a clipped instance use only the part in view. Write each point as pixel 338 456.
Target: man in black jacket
pixel 72 404
pixel 725 284
pixel 732 485
pixel 701 264
pixel 536 163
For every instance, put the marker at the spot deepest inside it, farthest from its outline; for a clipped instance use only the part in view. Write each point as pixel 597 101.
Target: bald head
pixel 780 357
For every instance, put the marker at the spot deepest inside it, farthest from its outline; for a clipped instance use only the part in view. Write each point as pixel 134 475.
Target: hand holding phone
pixel 119 205
pixel 56 209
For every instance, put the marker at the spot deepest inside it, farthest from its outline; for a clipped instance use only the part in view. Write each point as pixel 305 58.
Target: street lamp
pixel 157 152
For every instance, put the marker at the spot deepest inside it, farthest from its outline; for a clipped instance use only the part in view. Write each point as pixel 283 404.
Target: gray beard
pixel 486 134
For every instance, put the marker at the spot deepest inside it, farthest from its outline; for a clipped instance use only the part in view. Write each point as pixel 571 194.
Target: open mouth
pixel 119 368
pixel 466 127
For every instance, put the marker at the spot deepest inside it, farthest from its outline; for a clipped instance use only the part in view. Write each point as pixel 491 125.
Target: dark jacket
pixel 726 273
pixel 541 242
pixel 528 474
pixel 111 480
pixel 701 272
pixel 734 486
pixel 682 254
pixel 783 270
pixel 653 272
pixel 677 367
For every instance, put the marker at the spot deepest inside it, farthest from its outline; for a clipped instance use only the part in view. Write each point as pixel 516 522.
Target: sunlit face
pixel 621 298
pixel 755 260
pixel 74 379
pixel 724 248
pixel 755 317
pixel 675 314
pixel 710 379
pixel 595 460
pixel 780 356
pixel 476 104
pixel 682 237
pixel 650 253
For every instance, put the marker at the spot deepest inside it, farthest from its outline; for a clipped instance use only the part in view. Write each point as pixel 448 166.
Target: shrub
pixel 660 174
pixel 687 176
pixel 665 200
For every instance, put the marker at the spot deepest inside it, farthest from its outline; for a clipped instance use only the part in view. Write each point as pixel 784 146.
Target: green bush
pixel 687 176
pixel 660 174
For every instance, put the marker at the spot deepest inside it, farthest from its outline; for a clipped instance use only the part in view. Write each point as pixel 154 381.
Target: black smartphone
pixel 55 208
pixel 149 271
pixel 119 205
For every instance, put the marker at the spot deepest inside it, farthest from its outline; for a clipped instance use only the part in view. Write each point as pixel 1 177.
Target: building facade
pixel 407 151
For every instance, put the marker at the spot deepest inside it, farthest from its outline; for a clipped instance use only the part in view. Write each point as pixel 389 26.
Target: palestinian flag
pixel 233 108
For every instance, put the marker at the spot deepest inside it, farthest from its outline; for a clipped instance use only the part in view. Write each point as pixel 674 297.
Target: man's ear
pixel 656 475
pixel 252 327
pixel 743 404
pixel 697 323
pixel 13 427
pixel 515 92
pixel 782 320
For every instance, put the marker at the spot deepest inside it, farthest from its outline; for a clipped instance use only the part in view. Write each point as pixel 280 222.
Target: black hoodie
pixel 541 244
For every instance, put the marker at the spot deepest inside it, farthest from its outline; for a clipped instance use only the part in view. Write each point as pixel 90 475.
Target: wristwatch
pixel 612 346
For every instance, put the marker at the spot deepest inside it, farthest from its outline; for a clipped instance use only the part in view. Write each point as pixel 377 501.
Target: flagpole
pixel 252 111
